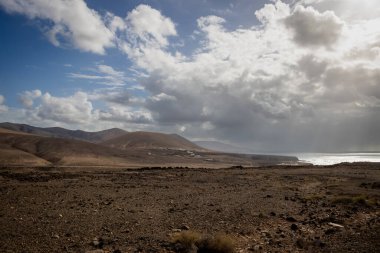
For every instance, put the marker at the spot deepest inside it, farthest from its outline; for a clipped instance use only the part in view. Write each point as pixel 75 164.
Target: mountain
pixel 151 140
pixel 222 147
pixel 13 156
pixel 59 132
pixel 24 147
pixel 18 148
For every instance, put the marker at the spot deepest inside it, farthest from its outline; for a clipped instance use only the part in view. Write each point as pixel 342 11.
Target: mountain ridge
pixel 24 147
pixel 94 137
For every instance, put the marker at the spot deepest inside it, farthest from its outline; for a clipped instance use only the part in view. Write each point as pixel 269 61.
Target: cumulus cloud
pixel 121 97
pixel 271 13
pixel 27 97
pixel 149 26
pixel 348 10
pixel 78 109
pixel 3 108
pixel 249 86
pixel 125 114
pixel 312 28
pixel 146 38
pixel 71 20
pixel 73 109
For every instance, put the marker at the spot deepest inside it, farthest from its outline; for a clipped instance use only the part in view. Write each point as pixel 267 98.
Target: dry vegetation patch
pixel 191 241
pixel 361 200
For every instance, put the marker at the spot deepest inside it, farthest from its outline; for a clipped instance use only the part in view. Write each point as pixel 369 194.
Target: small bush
pixel 190 241
pixel 217 244
pixel 186 240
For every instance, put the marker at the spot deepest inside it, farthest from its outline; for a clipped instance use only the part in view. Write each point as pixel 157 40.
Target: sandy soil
pixel 268 209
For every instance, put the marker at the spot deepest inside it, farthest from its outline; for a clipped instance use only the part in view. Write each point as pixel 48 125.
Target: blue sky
pixel 29 61
pixel 269 75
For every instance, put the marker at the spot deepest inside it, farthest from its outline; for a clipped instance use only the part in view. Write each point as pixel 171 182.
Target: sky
pixel 272 76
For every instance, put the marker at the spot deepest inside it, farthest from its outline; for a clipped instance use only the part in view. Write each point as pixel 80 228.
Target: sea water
pixel 334 158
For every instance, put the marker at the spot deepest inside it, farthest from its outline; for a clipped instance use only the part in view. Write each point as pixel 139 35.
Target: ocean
pixel 334 158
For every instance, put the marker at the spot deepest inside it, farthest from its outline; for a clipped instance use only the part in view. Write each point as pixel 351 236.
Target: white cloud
pixel 271 13
pixel 114 95
pixel 348 10
pixel 145 39
pixel 312 28
pixel 115 23
pixel 70 19
pixel 77 110
pixel 73 109
pixel 149 26
pixel 3 108
pixel 103 74
pixel 27 97
pixel 257 84
pixel 125 114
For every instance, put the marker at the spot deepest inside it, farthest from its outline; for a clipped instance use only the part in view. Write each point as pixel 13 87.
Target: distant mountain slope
pixel 94 137
pixel 138 149
pixel 40 150
pixel 222 147
pixel 13 156
pixel 150 140
pixel 8 131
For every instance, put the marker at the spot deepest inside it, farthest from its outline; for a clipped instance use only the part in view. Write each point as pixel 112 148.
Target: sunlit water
pixel 334 158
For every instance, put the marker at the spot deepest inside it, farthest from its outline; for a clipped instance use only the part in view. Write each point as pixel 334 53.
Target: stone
pixel 330 231
pixel 294 227
pixel 185 227
pixel 290 219
pixel 97 242
pixel 301 243
pixel 256 248
pixel 335 225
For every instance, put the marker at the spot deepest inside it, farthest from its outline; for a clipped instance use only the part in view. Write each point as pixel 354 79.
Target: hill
pixel 59 132
pixel 137 149
pixel 17 148
pixel 151 140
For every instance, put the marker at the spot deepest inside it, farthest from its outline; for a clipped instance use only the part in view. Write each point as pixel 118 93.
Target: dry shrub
pixel 217 244
pixel 190 241
pixel 186 241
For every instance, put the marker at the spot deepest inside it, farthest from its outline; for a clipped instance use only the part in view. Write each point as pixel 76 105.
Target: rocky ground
pixel 267 209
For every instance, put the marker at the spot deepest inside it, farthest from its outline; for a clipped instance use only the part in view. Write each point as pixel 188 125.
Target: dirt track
pixel 271 209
